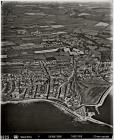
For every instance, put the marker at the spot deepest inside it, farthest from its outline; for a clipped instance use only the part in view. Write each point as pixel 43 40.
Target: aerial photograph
pixel 56 69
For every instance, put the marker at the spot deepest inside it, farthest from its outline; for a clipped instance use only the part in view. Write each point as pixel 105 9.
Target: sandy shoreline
pixel 63 108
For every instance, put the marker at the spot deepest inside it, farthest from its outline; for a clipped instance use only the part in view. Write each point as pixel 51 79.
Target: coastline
pixel 61 107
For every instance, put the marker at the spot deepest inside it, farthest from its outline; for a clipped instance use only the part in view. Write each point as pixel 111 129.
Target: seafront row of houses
pixel 29 78
pixel 59 74
pixel 36 85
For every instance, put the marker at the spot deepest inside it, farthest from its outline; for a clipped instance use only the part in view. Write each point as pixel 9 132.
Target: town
pixel 57 56
pixel 55 73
